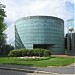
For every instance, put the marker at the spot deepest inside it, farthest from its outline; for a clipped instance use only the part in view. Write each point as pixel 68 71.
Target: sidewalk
pixel 68 70
pixel 62 56
pixel 72 65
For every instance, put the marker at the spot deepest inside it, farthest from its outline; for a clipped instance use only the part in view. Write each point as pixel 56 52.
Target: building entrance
pixel 43 46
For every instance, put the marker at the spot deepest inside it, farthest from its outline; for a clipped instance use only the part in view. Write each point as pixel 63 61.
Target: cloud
pixel 37 5
pixel 16 9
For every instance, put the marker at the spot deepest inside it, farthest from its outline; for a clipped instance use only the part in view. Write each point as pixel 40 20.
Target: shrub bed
pixel 32 59
pixel 26 52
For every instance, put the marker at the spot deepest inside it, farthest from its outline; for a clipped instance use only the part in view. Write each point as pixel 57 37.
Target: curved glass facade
pixel 40 32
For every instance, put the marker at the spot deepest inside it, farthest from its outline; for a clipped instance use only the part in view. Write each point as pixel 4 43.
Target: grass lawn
pixel 53 61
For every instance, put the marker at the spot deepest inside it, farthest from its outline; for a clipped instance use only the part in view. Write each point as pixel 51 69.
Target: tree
pixel 2 26
pixel 2 15
pixel 6 49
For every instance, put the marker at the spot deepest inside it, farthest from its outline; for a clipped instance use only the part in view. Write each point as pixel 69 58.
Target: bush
pixel 14 53
pixel 37 52
pixel 47 53
pixel 33 52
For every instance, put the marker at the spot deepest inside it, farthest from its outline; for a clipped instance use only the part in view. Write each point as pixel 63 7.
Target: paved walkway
pixel 63 56
pixel 51 70
pixel 72 65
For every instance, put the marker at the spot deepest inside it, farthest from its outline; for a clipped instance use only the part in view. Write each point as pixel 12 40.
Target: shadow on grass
pixel 52 57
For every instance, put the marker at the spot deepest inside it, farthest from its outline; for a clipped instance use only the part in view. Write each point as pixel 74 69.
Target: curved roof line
pixel 28 17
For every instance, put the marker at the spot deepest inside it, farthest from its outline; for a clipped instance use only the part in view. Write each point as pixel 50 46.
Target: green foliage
pixel 2 15
pixel 6 48
pixel 26 52
pixel 41 62
pixel 2 28
pixel 15 53
pixel 47 53
pixel 39 52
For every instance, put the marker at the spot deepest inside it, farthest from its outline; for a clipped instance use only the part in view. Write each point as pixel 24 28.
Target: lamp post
pixel 70 37
pixel 71 29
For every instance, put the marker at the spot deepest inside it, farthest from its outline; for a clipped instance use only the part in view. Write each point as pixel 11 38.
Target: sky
pixel 16 9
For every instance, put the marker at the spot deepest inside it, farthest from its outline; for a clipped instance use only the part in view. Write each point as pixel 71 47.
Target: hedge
pixel 27 52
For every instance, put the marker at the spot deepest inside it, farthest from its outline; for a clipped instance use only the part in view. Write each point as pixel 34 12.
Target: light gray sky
pixel 16 9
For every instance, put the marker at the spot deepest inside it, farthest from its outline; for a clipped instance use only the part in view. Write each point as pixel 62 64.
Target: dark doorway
pixel 43 46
